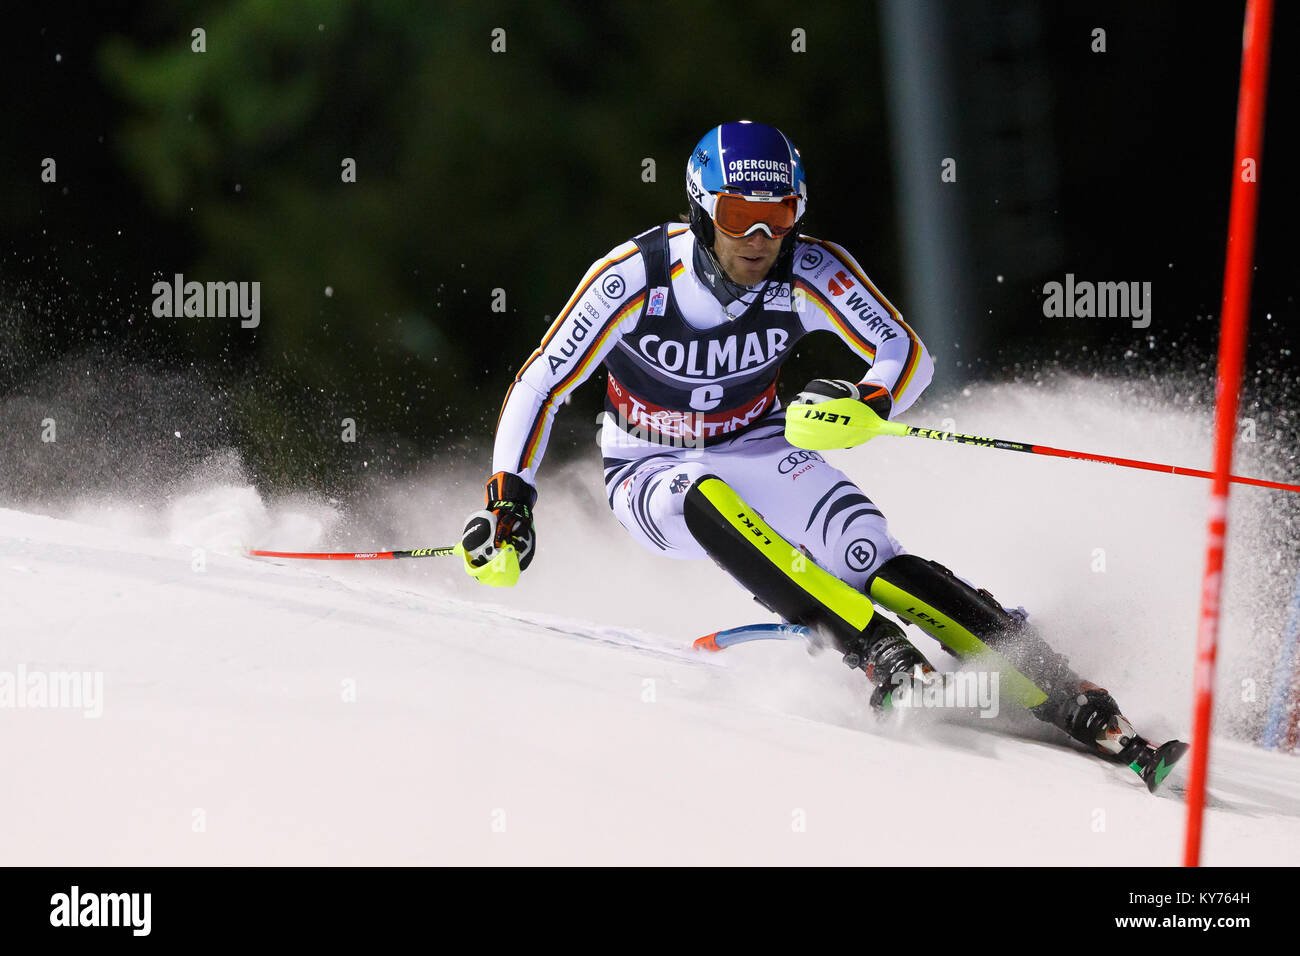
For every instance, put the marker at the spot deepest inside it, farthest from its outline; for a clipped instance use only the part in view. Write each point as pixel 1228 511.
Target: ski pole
pixel 914 431
pixel 357 555
pixel 501 571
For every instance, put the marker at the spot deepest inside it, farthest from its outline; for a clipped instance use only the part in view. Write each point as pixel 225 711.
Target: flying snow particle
pixel 329 291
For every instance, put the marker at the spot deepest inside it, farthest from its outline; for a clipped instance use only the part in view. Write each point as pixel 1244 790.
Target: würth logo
pixel 840 283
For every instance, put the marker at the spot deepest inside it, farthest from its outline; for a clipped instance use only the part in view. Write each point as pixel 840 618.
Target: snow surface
pixel 568 720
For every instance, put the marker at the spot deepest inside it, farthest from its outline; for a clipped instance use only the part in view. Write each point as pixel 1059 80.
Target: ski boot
pixel 891 662
pixel 1092 717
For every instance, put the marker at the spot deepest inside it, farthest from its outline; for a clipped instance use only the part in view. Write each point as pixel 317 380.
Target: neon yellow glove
pixel 499 542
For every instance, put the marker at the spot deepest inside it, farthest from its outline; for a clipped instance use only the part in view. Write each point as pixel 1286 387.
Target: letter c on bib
pixel 706 397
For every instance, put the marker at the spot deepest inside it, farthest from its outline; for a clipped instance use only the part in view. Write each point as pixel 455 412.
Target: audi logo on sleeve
pixel 796 458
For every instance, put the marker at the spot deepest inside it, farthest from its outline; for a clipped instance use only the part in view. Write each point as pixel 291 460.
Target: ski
pixel 719 640
pixel 1152 763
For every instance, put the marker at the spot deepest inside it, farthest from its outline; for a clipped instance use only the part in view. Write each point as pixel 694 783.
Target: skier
pixel 692 324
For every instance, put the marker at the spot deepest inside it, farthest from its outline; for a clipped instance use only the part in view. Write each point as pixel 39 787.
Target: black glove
pixel 507 519
pixel 875 397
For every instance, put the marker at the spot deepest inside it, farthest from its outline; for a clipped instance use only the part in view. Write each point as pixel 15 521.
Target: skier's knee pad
pixel 969 622
pixel 782 577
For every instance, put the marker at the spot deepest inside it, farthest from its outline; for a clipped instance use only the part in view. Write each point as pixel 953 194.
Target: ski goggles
pixel 738 216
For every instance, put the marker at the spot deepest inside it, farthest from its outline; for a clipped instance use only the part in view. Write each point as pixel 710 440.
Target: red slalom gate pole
pixel 1232 352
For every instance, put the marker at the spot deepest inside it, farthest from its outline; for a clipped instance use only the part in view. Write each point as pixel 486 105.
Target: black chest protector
pixel 726 375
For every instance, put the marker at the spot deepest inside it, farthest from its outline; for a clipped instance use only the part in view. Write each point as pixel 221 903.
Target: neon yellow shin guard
pixel 971 624
pixel 780 575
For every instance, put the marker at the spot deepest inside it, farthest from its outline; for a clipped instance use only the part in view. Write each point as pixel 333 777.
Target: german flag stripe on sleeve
pixel 909 367
pixel 913 341
pixel 578 374
pixel 595 274
pixel 851 335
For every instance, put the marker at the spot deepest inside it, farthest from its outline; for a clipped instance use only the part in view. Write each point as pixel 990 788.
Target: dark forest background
pixel 480 170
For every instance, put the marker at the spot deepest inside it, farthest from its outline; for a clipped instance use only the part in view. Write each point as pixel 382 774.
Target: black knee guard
pixel 972 623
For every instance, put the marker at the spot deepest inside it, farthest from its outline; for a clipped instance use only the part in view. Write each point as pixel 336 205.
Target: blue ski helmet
pixel 751 159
